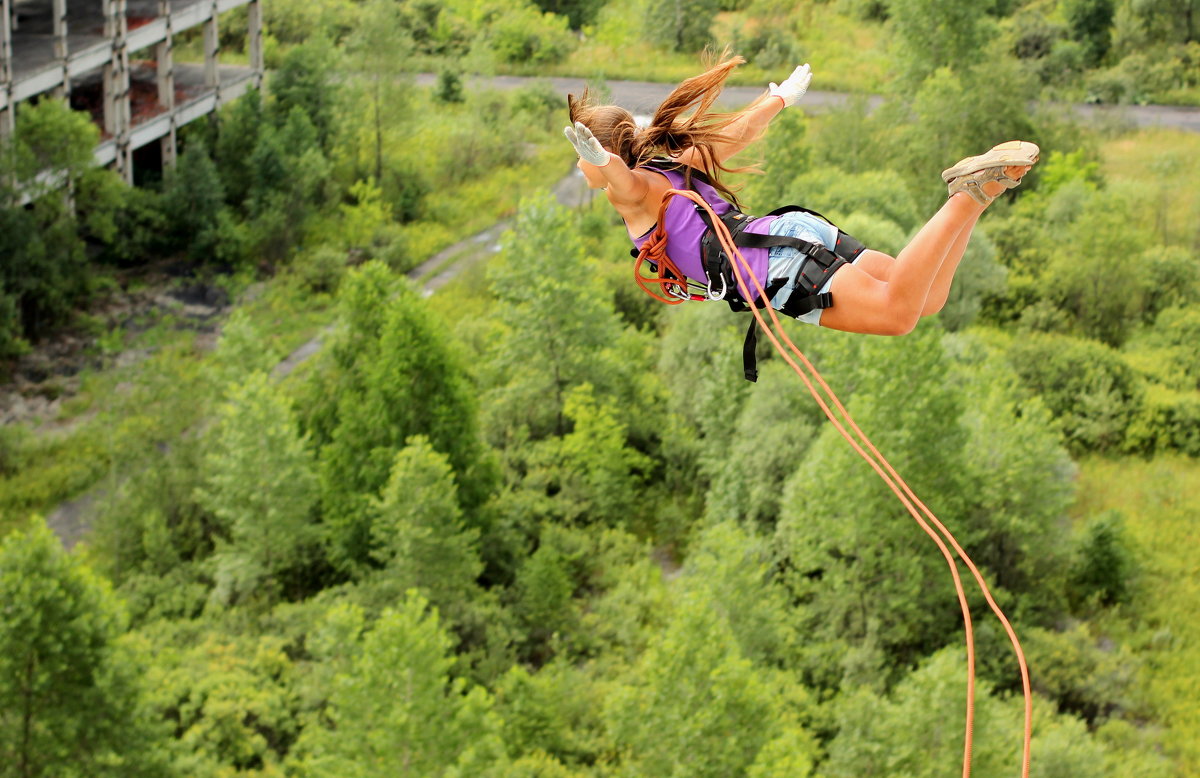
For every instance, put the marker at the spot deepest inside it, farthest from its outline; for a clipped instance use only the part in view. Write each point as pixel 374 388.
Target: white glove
pixel 586 145
pixel 794 87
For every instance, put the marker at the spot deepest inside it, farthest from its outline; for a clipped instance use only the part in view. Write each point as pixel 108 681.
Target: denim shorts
pixel 785 261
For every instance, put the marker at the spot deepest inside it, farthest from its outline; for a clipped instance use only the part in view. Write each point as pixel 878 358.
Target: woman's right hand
pixel 586 145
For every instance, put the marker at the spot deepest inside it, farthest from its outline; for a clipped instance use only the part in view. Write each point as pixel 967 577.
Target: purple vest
pixel 685 228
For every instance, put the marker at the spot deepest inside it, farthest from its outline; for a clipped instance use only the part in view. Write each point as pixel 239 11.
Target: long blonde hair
pixel 669 132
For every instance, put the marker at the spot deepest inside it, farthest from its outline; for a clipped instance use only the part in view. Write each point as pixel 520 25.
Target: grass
pixel 1160 499
pixel 847 54
pixel 1161 165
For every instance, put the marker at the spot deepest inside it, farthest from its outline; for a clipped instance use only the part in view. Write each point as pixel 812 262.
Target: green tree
pixel 559 329
pixel 398 711
pixel 544 604
pixel 395 376
pixel 194 205
pixel 1090 23
pixel 1104 565
pixel 419 536
pixel 240 127
pixel 599 468
pixel 69 702
pixel 1141 24
pixel 695 706
pixel 1021 484
pixel 261 484
pixel 932 34
pixel 865 571
pixel 735 568
pixel 749 471
pixel 682 25
pixel 44 272
pixel 232 700
pixel 525 35
pixel 917 731
pixel 578 12
pixel 50 149
pixel 707 392
pixel 379 50
pixel 1093 394
pixel 552 711
pixel 304 80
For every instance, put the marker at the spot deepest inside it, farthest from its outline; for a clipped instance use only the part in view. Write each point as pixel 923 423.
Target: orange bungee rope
pixel 672 282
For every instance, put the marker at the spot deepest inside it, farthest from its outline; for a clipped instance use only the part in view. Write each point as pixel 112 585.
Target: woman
pixel 866 291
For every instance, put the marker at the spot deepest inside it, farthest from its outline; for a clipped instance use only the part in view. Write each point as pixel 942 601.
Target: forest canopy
pixel 534 524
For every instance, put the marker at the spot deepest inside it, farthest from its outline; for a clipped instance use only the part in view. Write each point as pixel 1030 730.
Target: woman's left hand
pixel 794 87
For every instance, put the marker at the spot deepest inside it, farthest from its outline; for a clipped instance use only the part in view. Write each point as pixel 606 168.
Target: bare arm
pixel 624 186
pixel 753 120
pixel 748 127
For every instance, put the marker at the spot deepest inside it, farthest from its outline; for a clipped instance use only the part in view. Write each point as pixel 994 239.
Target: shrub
pixel 321 269
pixel 529 37
pixel 1091 391
pixel 1103 563
pixel 1169 419
pixel 449 86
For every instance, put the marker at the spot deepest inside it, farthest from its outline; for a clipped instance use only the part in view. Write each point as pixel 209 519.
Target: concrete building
pixel 114 59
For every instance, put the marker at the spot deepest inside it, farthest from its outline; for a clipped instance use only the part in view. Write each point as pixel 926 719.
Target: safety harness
pixel 818 266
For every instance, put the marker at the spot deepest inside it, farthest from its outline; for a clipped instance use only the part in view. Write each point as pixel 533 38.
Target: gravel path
pixel 642 97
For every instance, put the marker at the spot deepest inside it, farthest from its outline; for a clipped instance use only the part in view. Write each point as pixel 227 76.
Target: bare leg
pixel 863 303
pixel 939 290
pixel 917 280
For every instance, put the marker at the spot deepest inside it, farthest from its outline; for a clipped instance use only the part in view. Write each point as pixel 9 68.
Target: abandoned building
pixel 113 58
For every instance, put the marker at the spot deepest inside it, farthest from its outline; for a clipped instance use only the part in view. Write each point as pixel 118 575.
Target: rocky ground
pixel 40 382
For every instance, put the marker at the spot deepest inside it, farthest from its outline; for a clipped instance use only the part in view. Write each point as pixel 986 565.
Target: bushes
pixel 526 36
pixel 1168 420
pixel 1092 392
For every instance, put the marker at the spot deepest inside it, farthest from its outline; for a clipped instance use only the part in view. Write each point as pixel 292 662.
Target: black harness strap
pixel 819 264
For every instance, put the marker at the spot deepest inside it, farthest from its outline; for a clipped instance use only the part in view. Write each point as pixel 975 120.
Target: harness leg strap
pixel 749 359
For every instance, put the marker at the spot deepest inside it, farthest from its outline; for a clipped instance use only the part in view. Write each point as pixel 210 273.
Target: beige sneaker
pixel 972 173
pixel 1008 154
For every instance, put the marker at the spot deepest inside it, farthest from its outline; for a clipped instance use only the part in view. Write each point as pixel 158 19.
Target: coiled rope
pixel 673 285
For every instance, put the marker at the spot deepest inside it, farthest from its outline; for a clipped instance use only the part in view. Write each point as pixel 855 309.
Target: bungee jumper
pixel 808 268
pixel 687 225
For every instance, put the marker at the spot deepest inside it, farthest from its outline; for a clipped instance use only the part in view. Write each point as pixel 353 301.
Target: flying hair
pixel 684 120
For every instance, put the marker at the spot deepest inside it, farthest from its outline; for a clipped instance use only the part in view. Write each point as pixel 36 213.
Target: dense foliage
pixel 537 525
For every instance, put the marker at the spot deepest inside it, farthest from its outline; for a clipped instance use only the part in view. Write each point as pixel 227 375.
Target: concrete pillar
pixel 165 59
pixel 61 51
pixel 6 67
pixel 212 48
pixel 255 43
pixel 117 114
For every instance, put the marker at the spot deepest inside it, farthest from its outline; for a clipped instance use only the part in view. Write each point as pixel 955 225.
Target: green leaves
pixel 262 484
pixel 397 711
pixel 393 375
pixel 69 701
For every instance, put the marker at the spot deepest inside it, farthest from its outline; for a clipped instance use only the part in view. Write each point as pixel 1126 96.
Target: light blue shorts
pixel 785 261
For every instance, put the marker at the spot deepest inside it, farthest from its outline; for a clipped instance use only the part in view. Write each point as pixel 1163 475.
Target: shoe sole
pixel 1009 153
